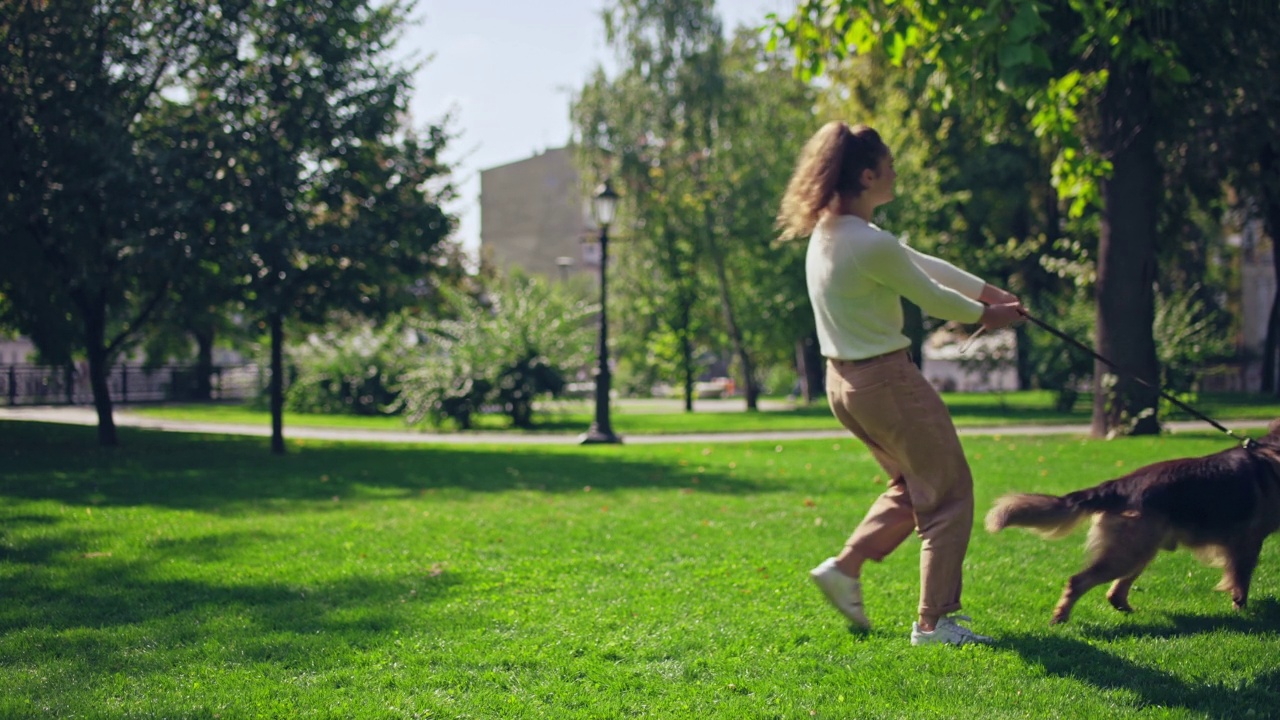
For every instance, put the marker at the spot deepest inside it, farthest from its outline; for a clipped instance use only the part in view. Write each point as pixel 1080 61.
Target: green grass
pixel 638 417
pixel 191 576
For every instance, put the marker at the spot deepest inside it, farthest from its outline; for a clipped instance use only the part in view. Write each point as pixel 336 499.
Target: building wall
pixel 533 212
pixel 18 351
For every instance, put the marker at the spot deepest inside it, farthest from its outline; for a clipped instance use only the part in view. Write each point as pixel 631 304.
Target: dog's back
pixel 1212 499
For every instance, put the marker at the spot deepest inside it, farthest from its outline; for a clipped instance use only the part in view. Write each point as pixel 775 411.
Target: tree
pixel 702 134
pixel 971 191
pixel 1234 138
pixel 512 342
pixel 91 245
pixel 647 128
pixel 206 300
pixel 338 207
pixel 765 119
pixel 1100 77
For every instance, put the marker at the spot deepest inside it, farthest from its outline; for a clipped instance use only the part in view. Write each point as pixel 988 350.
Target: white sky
pixel 507 70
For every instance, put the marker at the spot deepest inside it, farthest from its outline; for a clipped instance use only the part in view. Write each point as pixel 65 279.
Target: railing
pixel 50 385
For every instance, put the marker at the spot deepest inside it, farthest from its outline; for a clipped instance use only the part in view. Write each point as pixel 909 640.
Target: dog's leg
pixel 1121 548
pixel 1242 558
pixel 1118 595
pixel 1078 585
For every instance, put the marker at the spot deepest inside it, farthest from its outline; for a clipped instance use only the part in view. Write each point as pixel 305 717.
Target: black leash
pixel 1246 443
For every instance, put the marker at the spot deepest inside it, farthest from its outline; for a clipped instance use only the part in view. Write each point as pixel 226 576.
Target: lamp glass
pixel 605 204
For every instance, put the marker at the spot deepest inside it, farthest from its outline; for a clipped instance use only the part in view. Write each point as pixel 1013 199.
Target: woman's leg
pixel 890 520
pixel 902 416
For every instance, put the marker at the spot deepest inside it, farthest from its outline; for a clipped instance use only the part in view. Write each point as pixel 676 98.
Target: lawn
pixel 641 417
pixel 198 576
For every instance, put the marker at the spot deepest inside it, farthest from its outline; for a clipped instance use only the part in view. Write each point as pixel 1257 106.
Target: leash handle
pixel 1246 443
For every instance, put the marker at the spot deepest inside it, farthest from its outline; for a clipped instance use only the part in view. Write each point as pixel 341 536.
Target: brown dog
pixel 1222 506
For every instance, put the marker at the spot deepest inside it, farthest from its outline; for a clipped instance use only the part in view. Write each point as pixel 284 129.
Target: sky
pixel 507 70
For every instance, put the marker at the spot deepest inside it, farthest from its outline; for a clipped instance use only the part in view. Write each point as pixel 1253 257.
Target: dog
pixel 1221 506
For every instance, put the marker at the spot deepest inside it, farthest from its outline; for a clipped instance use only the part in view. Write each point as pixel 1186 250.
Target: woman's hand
pixel 992 295
pixel 1001 315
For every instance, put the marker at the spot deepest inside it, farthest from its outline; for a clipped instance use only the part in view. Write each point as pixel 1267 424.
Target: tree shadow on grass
pixel 221 473
pixel 1082 660
pixel 88 591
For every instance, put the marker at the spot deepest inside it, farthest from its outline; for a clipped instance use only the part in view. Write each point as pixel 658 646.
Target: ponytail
pixel 830 167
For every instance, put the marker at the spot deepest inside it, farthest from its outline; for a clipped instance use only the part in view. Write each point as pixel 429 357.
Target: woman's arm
pixel 946 274
pixel 965 283
pixel 891 264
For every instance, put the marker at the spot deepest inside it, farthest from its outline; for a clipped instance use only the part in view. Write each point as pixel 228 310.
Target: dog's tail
pixel 1050 515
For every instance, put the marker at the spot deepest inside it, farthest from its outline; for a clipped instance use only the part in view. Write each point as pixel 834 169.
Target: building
pixel 534 214
pixel 17 351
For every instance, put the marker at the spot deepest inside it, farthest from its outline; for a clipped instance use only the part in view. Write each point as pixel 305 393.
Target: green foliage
pixel 650 129
pixel 335 205
pixel 1055 364
pixel 1050 58
pixel 779 381
pixel 348 369
pixel 92 236
pixel 184 161
pixel 700 135
pixel 1107 89
pixel 518 342
pixel 1190 336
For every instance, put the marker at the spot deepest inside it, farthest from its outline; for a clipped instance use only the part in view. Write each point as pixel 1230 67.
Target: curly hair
pixel 830 167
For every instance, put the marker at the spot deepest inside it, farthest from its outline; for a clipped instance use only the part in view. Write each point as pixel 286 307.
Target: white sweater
pixel 856 274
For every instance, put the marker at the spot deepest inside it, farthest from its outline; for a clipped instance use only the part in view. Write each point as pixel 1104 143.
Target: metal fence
pixel 51 385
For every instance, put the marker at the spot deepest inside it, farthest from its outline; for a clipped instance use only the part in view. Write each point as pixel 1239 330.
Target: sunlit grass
pixel 645 417
pixel 199 576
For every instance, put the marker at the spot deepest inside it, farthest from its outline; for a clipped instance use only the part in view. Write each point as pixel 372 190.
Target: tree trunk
pixel 913 328
pixel 749 383
pixel 276 320
pixel 95 324
pixel 812 367
pixel 686 363
pixel 99 367
pixel 1022 356
pixel 1126 260
pixel 203 386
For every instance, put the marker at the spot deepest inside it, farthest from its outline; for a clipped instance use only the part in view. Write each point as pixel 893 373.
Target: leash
pixel 1246 443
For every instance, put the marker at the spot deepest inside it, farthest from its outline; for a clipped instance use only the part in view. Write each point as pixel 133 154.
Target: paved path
pixel 87 416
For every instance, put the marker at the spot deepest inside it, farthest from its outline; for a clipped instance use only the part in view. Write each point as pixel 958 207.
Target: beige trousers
pixel 888 405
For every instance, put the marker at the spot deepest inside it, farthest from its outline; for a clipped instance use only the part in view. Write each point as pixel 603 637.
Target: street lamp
pixel 564 263
pixel 604 205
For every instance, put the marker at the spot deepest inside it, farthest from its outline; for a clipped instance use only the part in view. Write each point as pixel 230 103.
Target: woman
pixel 857 275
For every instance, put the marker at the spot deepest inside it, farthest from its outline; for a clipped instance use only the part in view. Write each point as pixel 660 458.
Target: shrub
pixel 348 369
pixel 507 349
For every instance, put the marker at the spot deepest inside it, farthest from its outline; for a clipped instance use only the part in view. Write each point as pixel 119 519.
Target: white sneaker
pixel 948 632
pixel 843 591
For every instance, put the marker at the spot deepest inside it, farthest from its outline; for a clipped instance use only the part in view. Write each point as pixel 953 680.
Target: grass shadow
pixel 1082 661
pixel 1261 616
pixel 105 592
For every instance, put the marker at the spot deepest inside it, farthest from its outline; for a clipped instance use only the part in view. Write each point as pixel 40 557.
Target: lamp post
pixel 604 205
pixel 564 263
